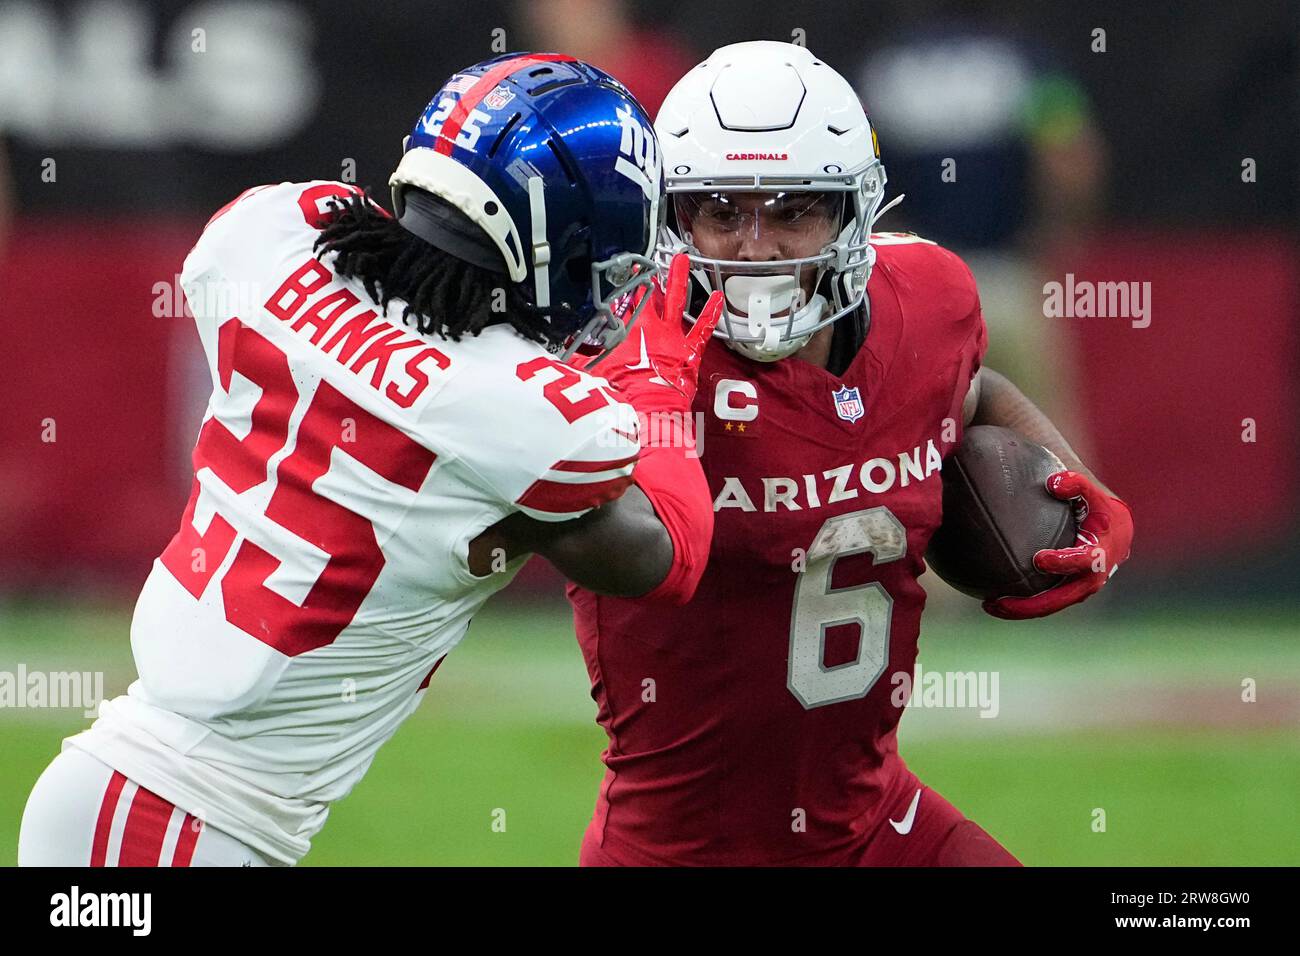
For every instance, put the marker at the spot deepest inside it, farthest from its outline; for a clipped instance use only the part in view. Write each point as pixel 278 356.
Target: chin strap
pixel 541 248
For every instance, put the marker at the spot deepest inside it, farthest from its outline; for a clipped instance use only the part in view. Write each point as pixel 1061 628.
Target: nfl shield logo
pixel 848 404
pixel 498 98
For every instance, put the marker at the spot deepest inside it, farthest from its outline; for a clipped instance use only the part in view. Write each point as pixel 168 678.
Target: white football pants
pixel 82 812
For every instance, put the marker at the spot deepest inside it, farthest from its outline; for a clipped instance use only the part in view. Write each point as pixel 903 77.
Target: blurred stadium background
pixel 1169 157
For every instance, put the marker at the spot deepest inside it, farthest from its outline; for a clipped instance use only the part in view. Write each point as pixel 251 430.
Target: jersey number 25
pixel 332 422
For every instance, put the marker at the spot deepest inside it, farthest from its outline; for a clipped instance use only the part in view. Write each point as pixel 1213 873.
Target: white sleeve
pixel 596 470
pixel 553 446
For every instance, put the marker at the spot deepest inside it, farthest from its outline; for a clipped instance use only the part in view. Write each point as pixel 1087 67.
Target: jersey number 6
pixel 818 606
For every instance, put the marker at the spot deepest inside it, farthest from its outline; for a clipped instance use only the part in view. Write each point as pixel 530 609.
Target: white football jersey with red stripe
pixel 320 571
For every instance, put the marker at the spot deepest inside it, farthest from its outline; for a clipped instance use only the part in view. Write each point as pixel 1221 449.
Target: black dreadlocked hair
pixel 443 294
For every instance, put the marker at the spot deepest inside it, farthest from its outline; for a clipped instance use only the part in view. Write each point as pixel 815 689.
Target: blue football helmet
pixel 553 175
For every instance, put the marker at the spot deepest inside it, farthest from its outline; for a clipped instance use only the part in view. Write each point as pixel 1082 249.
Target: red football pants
pixel 929 831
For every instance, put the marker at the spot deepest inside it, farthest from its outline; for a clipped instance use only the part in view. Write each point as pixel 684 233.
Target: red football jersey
pixel 755 724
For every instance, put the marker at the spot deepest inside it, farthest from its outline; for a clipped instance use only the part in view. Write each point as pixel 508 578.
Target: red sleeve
pixel 675 484
pixel 971 357
pixel 670 474
pixel 954 334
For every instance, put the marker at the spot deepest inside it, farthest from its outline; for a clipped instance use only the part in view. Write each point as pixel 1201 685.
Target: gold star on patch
pixel 728 426
pixel 740 427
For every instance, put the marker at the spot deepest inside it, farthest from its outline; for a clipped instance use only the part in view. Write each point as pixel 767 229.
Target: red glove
pixel 655 369
pixel 1106 535
pixel 657 365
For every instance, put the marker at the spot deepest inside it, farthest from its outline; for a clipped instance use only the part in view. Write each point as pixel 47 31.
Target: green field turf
pixel 1140 716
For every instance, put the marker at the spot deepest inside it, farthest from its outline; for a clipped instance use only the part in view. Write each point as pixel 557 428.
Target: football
pixel 997 513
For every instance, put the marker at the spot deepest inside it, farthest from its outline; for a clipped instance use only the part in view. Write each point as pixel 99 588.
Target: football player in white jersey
pixel 392 431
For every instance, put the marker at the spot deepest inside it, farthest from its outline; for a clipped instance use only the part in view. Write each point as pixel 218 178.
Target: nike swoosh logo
pixel 645 363
pixel 904 826
pixel 630 436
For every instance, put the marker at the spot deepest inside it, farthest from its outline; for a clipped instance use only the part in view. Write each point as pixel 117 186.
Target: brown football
pixel 997 514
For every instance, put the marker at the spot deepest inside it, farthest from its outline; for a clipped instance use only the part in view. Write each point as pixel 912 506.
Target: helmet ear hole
pixel 578 268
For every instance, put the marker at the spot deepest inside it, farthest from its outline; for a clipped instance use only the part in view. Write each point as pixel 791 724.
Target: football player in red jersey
pixel 755 724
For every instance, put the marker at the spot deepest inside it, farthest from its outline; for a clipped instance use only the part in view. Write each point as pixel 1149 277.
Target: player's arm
pixel 994 399
pixel 650 535
pixel 621 548
pixel 1105 524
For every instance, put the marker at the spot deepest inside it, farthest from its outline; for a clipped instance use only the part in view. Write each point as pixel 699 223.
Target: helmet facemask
pixel 775 305
pixel 614 283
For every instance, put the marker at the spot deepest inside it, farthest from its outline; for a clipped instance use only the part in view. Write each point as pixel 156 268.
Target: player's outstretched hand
pixel 1105 536
pixel 662 350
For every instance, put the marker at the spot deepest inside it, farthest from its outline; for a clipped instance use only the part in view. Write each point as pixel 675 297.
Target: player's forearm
pixel 651 543
pixel 1002 403
pixel 619 549
pixel 674 485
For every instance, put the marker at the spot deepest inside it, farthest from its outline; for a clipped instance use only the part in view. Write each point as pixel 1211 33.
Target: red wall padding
pixel 83 348
pixel 1165 404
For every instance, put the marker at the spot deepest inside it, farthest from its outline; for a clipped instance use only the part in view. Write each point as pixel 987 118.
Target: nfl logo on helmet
pixel 498 98
pixel 848 404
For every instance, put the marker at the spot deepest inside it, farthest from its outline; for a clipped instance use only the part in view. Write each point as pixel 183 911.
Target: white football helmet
pixel 764 117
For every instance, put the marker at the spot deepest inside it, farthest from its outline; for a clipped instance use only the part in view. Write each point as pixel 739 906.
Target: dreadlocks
pixel 443 294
